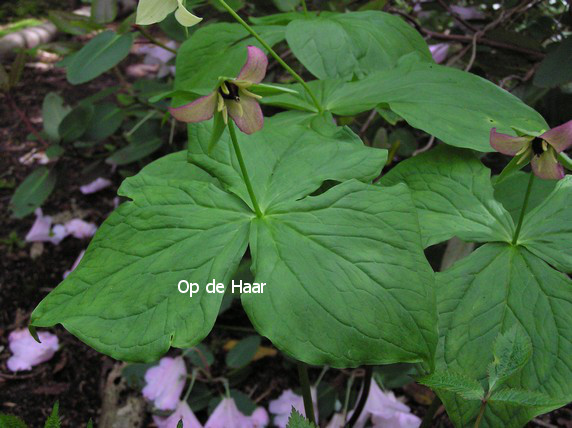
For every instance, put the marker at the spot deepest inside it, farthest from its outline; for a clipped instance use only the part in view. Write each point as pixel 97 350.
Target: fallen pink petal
pixel 42 230
pixel 385 411
pixel 80 229
pixel 165 383
pixel 439 52
pixel 182 412
pixel 27 353
pixel 95 186
pixel 227 415
pixel 282 406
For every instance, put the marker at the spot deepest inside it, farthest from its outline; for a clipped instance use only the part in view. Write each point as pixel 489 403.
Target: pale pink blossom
pixel 156 55
pixel 42 230
pixel 439 52
pixel 67 272
pixel 386 411
pixel 468 13
pixel 95 186
pixel 227 415
pixel 282 406
pixel 26 352
pixel 182 412
pixel 80 229
pixel 165 383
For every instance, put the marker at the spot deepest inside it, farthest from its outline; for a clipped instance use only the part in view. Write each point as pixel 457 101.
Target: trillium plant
pixel 272 178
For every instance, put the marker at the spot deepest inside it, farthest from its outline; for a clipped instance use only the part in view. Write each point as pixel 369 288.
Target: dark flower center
pixel 537 148
pixel 232 92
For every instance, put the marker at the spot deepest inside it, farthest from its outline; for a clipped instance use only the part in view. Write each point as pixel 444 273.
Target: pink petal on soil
pixel 184 412
pixel 26 352
pixel 95 186
pixel 80 229
pixel 165 383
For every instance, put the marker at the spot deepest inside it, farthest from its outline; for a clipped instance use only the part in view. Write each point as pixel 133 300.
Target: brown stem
pixel 26 120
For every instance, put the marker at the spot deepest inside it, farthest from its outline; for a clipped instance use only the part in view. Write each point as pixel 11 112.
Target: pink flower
pixel 165 383
pixel 156 55
pixel 227 415
pixel 80 229
pixel 95 186
pixel 27 352
pixel 232 98
pixel 282 406
pixel 42 230
pixel 541 150
pixel 439 52
pixel 182 412
pixel 67 272
pixel 468 13
pixel 385 411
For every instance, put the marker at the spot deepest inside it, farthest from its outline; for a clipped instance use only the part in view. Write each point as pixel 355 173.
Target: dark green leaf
pixel 243 352
pixel 556 68
pixel 53 112
pixel 33 191
pixel 106 120
pixel 75 123
pixel 103 11
pixel 101 54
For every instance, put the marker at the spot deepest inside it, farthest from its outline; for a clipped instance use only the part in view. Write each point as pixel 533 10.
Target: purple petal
pixel 184 412
pixel 560 137
pixel 41 228
pixel 508 144
pixel 201 109
pixel 226 415
pixel 255 68
pixel 80 229
pixel 251 120
pixel 439 52
pixel 95 186
pixel 282 406
pixel 26 352
pixel 165 383
pixel 546 166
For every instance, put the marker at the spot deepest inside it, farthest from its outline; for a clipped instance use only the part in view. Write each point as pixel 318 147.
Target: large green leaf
pixel 457 107
pixel 352 44
pixel 354 252
pixel 347 281
pixel 217 50
pixel 123 298
pixel 285 163
pixel 498 287
pixel 547 230
pixel 101 54
pixel 452 190
pixel 556 68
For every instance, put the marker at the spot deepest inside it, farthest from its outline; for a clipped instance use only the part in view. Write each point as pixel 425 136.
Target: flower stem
pixel 304 7
pixel 523 211
pixel 273 53
pixel 363 397
pixel 245 176
pixel 306 391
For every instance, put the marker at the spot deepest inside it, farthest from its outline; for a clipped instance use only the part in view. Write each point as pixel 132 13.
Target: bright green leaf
pixel 488 293
pixel 451 189
pixel 511 351
pixel 347 262
pixel 454 382
pixel 11 421
pixel 173 230
pixel 53 420
pixel 357 43
pixel 547 229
